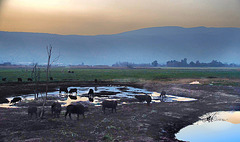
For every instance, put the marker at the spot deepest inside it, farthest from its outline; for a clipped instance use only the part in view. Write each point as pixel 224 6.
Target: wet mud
pixel 132 122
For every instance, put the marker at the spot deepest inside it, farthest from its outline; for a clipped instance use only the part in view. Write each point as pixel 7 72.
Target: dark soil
pixel 132 122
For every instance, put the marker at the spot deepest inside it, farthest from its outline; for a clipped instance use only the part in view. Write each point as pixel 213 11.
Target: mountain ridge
pixel 139 46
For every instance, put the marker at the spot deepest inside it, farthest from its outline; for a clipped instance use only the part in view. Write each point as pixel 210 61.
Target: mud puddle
pixel 124 95
pixel 217 126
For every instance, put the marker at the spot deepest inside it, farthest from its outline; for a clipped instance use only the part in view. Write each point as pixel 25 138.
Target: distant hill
pixel 138 46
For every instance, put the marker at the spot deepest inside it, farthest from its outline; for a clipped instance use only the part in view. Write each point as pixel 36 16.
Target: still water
pixel 102 93
pixel 220 126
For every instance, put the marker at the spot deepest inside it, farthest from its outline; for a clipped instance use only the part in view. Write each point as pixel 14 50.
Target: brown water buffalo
pixel 73 90
pixel 16 99
pixel 29 79
pixel 72 97
pixel 109 104
pixel 142 98
pixel 163 94
pixel 76 109
pixel 19 79
pixel 56 109
pixel 91 95
pixel 32 110
pixel 63 89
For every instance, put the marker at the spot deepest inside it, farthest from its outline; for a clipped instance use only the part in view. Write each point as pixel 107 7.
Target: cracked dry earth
pixel 132 122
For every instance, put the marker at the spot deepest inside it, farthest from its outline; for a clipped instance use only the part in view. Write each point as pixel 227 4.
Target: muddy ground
pixel 132 122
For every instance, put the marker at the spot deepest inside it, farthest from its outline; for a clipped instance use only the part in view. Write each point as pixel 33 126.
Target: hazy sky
pixel 91 17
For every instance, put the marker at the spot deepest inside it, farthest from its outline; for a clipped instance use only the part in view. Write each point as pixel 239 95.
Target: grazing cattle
pixel 32 110
pixel 56 109
pixel 109 104
pixel 4 79
pixel 163 94
pixel 70 71
pixel 51 78
pixel 142 98
pixel 73 90
pixel 19 79
pixel 76 109
pixel 95 80
pixel 29 79
pixel 63 89
pixel 3 100
pixel 91 95
pixel 16 99
pixel 72 97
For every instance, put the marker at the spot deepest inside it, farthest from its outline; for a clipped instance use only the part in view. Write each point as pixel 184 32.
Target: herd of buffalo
pixel 79 109
pixel 21 80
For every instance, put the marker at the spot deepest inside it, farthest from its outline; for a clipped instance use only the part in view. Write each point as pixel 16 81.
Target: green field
pixel 61 74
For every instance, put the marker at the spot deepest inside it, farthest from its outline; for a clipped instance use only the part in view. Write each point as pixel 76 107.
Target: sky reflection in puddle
pixel 118 91
pixel 220 126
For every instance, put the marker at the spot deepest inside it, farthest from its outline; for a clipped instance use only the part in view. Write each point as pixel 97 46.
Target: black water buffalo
pixel 73 90
pixel 163 94
pixel 63 89
pixel 51 78
pixel 91 95
pixel 32 110
pixel 29 79
pixel 4 79
pixel 76 109
pixel 109 104
pixel 95 80
pixel 4 100
pixel 19 79
pixel 56 109
pixel 72 97
pixel 16 99
pixel 142 98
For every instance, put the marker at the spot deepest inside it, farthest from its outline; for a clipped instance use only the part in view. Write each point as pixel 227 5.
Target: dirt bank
pixel 132 122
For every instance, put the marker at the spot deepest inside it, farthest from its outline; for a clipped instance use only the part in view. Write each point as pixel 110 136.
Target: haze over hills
pixel 138 46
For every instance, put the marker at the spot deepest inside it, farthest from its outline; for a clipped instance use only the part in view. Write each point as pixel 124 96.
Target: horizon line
pixel 114 33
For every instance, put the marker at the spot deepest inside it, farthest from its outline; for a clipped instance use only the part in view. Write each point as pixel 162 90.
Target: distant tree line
pixel 174 63
pixel 183 63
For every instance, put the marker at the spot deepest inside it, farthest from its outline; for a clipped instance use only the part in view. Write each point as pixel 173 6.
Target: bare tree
pixel 36 77
pixel 49 63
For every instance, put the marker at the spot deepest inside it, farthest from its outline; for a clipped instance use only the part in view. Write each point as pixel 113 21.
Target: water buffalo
pixel 4 79
pixel 91 95
pixel 73 90
pixel 76 109
pixel 70 71
pixel 32 110
pixel 19 79
pixel 4 100
pixel 163 94
pixel 109 104
pixel 63 89
pixel 95 80
pixel 51 78
pixel 16 99
pixel 29 79
pixel 56 109
pixel 72 97
pixel 142 98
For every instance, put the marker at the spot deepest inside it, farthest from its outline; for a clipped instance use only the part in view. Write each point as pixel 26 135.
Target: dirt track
pixel 136 122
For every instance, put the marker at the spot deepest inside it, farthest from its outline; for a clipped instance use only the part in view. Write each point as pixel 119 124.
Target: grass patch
pixel 127 75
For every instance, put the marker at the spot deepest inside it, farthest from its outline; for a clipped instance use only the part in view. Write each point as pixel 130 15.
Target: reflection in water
pixel 195 82
pixel 86 95
pixel 217 126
